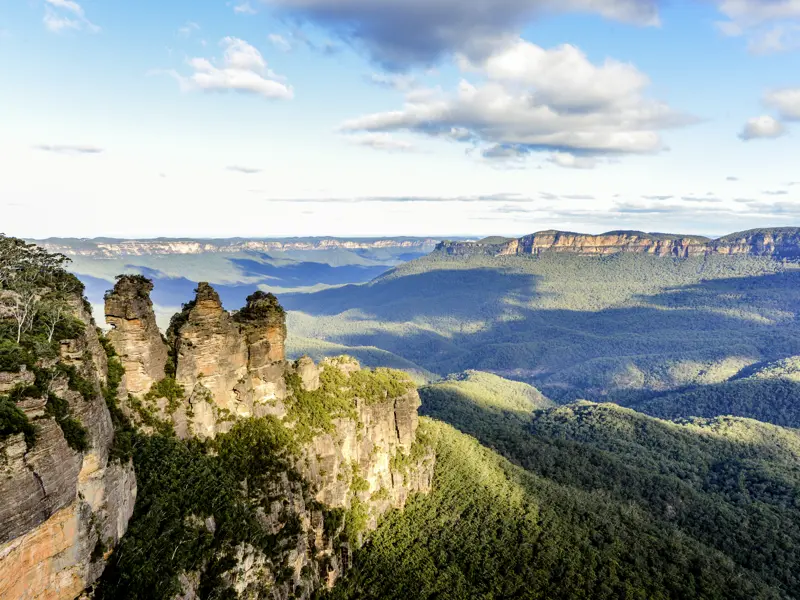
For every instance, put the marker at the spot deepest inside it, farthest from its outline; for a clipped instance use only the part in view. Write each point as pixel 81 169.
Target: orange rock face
pixel 781 242
pixel 31 564
pixel 135 335
pixel 57 502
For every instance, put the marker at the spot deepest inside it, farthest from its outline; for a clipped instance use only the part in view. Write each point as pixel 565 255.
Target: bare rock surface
pixel 58 504
pixel 134 333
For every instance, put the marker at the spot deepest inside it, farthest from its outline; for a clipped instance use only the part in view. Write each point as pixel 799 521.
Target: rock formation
pixel 781 243
pixel 62 510
pixel 134 333
pixel 233 365
pixel 371 459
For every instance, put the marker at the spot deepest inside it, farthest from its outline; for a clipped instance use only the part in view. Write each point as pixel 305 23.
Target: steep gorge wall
pixel 778 243
pixel 62 509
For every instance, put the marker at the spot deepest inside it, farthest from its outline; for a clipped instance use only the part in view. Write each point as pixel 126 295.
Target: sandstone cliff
pixel 355 450
pixel 780 243
pixel 65 502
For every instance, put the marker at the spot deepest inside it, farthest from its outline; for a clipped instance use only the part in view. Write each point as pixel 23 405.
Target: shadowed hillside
pixel 619 327
pixel 603 503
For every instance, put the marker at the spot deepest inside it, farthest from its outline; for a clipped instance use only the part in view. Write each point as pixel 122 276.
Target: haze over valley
pixel 400 300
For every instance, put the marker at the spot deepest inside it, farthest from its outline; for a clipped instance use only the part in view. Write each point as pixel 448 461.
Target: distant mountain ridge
pixel 112 247
pixel 777 242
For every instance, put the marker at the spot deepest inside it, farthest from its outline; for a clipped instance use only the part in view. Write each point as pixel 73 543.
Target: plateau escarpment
pixel 781 243
pixel 345 440
pixel 111 248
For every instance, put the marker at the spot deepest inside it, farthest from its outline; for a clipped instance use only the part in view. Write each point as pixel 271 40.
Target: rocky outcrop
pixel 229 366
pixel 211 359
pixel 366 459
pixel 62 510
pixel 369 463
pixel 369 446
pixel 134 333
pixel 781 243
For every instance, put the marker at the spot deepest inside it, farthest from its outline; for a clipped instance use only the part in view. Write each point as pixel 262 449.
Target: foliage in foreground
pixel 182 484
pixel 492 530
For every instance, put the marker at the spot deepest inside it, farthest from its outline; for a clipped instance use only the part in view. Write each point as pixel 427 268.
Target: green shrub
pixel 13 420
pixel 180 484
pixel 166 388
pixel 11 356
pixel 75 433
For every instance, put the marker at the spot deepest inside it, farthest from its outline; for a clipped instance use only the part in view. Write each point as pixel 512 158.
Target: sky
pixel 271 118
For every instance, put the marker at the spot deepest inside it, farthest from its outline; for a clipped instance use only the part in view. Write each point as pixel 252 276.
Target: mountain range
pixel 610 416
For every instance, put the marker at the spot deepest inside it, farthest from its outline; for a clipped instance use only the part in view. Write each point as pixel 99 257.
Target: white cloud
pixel 245 170
pixel 381 141
pixel 570 161
pixel 56 20
pixel 188 29
pixel 534 99
pixel 398 33
pixel 562 77
pixel 244 8
pixel 769 25
pixel 757 12
pixel 762 127
pixel 280 42
pixel 395 81
pixel 786 102
pixel 69 149
pixel 243 69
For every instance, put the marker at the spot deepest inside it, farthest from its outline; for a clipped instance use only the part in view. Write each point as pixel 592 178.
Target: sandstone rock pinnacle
pixel 134 334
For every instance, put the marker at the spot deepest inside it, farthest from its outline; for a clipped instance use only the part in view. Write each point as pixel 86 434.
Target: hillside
pixel 779 242
pixel 257 476
pixel 490 529
pixel 704 508
pixel 617 327
pixel 234 266
pixel 115 247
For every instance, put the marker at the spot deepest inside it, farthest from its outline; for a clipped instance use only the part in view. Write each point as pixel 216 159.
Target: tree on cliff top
pixel 264 307
pixel 35 279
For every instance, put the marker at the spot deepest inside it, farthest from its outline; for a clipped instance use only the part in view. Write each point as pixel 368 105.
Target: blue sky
pixel 397 117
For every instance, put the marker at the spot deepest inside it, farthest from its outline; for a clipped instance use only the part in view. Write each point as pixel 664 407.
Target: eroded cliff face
pixel 778 243
pixel 357 452
pixel 62 509
pixel 370 462
pixel 134 333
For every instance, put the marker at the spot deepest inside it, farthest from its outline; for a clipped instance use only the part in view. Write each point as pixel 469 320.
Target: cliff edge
pixel 779 243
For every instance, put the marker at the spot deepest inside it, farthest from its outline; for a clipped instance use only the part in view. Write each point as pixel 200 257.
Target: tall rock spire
pixel 134 334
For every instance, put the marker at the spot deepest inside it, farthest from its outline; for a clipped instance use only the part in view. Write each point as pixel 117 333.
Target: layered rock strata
pixel 134 333
pixel 781 243
pixel 120 248
pixel 62 510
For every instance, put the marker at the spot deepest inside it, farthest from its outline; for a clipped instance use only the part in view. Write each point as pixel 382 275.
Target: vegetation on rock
pixel 313 412
pixel 490 529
